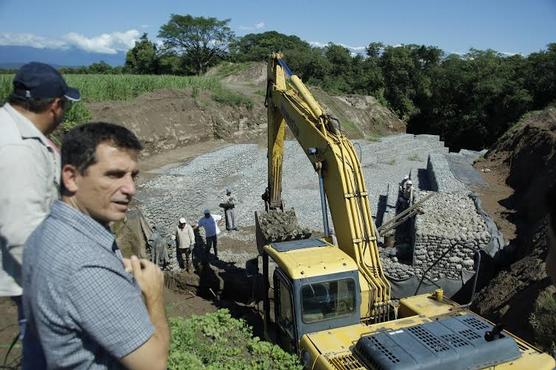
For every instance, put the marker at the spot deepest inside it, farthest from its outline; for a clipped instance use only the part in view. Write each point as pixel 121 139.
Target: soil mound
pixel 168 119
pixel 526 157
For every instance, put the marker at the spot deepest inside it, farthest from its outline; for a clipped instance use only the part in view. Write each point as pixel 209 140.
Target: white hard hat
pixel 409 182
pixel 182 220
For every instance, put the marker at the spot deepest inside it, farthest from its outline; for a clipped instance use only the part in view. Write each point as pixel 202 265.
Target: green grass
pixel 95 88
pixel 226 69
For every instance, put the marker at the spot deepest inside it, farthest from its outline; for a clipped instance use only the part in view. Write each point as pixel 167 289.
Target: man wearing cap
pixel 29 164
pixel 185 241
pixel 210 224
pixel 229 206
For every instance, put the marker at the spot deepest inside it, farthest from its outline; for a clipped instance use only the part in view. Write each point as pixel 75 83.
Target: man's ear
pixel 56 104
pixel 69 178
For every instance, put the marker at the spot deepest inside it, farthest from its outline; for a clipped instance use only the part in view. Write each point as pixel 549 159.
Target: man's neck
pixel 72 202
pixel 39 120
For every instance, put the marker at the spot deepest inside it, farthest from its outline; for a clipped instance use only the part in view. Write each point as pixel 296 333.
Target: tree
pixel 541 76
pixel 100 68
pixel 142 58
pixel 259 46
pixel 374 49
pixel 203 41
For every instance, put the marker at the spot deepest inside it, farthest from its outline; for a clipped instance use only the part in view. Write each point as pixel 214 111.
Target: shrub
pixel 543 320
pixel 218 341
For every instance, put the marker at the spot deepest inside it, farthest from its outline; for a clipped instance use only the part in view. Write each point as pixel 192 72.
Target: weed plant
pixel 218 341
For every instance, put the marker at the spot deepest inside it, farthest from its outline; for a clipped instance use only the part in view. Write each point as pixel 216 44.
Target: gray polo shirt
pixel 84 308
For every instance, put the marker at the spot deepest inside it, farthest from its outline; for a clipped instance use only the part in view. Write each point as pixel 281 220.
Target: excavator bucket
pixel 278 226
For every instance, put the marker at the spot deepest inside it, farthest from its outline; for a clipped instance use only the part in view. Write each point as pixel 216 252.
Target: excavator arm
pixel 290 103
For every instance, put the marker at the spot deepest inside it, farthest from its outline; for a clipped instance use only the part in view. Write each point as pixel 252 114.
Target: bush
pixel 218 341
pixel 231 98
pixel 543 320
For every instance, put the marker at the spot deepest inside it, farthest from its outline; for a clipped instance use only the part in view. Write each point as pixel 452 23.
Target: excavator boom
pixel 335 161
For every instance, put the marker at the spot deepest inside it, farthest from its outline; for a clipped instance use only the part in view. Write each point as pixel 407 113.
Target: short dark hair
pixel 32 105
pixel 551 206
pixel 80 143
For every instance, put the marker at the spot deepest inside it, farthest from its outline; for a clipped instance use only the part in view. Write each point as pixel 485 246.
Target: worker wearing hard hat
pixel 185 241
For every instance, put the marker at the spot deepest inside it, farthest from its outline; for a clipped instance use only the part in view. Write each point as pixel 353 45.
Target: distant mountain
pixel 15 56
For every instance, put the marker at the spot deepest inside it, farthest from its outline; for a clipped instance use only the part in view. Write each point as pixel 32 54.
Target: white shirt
pixel 185 237
pixel 210 224
pixel 29 183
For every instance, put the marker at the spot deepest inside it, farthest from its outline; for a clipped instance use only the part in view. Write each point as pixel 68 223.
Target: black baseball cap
pixel 40 81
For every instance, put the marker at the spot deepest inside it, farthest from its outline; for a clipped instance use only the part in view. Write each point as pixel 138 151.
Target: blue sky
pixel 510 26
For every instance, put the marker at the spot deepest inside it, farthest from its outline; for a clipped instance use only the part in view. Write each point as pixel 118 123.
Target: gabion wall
pixel 449 221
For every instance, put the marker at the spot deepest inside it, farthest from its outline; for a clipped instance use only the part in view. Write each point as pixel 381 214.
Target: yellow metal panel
pixel 311 262
pixel 424 304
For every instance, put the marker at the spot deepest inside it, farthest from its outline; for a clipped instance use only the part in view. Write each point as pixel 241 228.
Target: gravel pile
pixel 186 190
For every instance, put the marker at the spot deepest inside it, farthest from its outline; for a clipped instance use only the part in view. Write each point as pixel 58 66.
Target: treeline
pixel 469 100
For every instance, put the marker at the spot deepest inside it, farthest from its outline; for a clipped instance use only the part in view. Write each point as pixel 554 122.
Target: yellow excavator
pixel 331 299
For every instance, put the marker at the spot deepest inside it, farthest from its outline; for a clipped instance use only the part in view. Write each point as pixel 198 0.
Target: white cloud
pixel 106 43
pixel 28 39
pixel 256 26
pixel 317 44
pixel 353 49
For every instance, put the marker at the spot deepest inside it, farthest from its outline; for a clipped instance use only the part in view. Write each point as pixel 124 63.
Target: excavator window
pixel 285 309
pixel 327 300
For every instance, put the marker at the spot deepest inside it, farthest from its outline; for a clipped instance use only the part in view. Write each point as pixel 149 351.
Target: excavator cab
pixel 320 293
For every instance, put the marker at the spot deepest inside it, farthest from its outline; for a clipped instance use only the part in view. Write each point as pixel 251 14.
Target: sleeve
pixel 23 195
pixel 108 307
pixel 178 241
pixel 191 235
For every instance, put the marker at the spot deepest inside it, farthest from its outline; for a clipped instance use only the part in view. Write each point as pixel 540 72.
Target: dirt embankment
pixel 169 119
pixel 525 159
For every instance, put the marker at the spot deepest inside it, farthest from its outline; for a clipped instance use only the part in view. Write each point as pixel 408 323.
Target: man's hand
pixel 153 354
pixel 150 279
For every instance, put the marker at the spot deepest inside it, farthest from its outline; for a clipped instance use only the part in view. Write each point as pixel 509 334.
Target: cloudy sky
pixel 509 26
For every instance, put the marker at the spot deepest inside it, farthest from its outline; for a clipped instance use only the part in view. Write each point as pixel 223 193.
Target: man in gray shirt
pixel 29 164
pixel 84 302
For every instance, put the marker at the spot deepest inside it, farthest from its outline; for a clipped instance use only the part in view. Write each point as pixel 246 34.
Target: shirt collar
pixel 84 224
pixel 26 128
